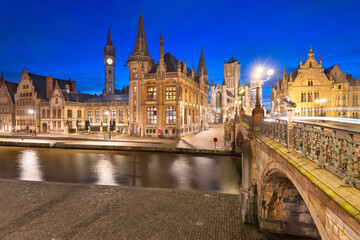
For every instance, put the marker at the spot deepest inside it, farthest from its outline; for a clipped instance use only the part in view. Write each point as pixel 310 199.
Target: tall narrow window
pixel 151 115
pixel 121 116
pixel 90 116
pixel 171 115
pixel 170 93
pixel 113 115
pixel 151 93
pixel 97 116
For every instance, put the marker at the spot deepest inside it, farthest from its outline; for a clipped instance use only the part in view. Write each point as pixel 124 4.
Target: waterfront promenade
pixel 197 143
pixel 33 210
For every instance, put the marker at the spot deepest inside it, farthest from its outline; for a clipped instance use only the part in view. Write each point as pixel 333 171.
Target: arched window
pixel 339 100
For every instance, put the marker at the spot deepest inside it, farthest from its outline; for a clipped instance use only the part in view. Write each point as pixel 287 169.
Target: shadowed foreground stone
pixel 31 210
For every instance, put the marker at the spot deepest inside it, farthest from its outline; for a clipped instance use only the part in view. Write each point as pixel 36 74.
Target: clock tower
pixel 109 61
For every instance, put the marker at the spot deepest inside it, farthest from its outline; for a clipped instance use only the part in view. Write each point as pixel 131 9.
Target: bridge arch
pixel 284 204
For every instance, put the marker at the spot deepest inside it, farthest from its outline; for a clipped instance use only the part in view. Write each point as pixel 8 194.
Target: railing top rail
pixel 327 126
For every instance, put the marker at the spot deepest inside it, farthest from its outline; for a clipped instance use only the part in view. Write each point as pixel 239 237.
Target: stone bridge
pixel 300 179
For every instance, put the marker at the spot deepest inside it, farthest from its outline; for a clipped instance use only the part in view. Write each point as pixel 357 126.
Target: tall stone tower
pixel 232 76
pixel 109 61
pixel 139 63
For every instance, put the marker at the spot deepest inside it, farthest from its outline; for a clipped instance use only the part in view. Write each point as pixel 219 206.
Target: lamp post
pixel 33 111
pixel 258 112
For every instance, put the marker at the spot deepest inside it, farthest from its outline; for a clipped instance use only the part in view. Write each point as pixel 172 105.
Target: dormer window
pixel 339 87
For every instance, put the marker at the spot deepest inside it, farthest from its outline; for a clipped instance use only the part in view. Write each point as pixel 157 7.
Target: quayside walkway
pixel 32 210
pixel 197 143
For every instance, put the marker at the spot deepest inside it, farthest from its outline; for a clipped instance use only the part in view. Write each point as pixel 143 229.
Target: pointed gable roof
pixel 201 65
pixel 140 43
pixel 232 60
pixel 109 40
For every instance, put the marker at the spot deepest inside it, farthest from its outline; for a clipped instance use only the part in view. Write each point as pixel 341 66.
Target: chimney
pixel 67 88
pixel 73 85
pixel 49 87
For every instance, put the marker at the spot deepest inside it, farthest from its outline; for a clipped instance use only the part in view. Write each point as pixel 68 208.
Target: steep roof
pixel 201 65
pixel 39 83
pixel 12 88
pixel 230 94
pixel 140 43
pixel 232 60
pixel 171 63
pixel 109 98
pixel 76 96
pixel 109 40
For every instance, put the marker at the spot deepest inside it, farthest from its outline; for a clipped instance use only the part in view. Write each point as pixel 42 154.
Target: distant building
pixel 166 98
pixel 225 99
pixel 7 105
pixel 317 91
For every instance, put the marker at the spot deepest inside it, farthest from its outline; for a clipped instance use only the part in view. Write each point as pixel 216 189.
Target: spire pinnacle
pixel 212 82
pixel 311 52
pixel 140 43
pixel 2 76
pixel 201 66
pixel 300 59
pixel 109 40
pixel 161 36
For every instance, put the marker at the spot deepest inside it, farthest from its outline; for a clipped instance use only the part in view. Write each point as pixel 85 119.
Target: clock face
pixel 109 61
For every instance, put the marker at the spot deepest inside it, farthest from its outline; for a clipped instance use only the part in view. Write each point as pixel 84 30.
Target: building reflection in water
pixel 29 166
pixel 105 170
pixel 181 171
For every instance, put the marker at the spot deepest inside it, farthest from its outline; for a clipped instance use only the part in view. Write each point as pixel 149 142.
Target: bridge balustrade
pixel 335 149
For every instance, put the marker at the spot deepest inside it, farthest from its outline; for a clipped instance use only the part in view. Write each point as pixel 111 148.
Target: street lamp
pixel 258 78
pixel 32 111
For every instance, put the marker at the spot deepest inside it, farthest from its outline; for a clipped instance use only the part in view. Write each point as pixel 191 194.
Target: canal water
pixel 137 169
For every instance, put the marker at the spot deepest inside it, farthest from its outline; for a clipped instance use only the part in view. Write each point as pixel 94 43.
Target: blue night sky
pixel 66 38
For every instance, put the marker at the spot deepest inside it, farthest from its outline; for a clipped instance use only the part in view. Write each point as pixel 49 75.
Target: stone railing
pixel 335 149
pixel 275 129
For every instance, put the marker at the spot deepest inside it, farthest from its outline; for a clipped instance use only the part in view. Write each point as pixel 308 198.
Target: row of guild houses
pixel 165 99
pixel 316 91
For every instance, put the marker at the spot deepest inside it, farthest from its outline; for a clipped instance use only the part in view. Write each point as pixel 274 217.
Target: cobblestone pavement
pixel 30 210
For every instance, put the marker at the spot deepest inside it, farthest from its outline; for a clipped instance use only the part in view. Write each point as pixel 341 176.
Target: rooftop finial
pixel 300 59
pixel 2 76
pixel 140 12
pixel 311 53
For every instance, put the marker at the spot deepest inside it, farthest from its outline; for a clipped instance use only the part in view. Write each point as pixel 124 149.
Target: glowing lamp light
pixel 270 72
pixel 31 111
pixel 259 70
pixel 107 112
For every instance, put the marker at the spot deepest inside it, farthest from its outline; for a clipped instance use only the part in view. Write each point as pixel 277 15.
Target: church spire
pixel 109 40
pixel 140 43
pixel 201 66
